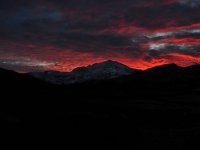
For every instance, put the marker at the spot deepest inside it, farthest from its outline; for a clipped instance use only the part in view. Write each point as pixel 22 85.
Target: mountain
pixel 9 77
pixel 159 107
pixel 99 71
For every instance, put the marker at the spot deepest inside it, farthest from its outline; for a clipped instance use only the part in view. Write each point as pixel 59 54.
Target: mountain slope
pixel 99 71
pixel 140 108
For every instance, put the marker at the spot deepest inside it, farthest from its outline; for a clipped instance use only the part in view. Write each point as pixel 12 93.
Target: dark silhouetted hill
pixel 99 71
pixel 158 108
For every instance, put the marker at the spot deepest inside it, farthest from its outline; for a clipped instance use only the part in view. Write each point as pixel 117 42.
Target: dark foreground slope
pixel 155 109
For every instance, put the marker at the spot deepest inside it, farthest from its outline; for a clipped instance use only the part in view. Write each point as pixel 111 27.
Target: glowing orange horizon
pixel 175 58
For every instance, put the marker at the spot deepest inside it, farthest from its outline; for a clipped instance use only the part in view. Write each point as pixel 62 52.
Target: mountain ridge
pixel 98 71
pixel 108 70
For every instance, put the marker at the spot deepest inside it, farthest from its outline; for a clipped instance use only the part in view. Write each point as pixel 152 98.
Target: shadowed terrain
pixel 153 109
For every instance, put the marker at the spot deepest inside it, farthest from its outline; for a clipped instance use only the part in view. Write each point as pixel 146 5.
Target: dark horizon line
pixel 24 72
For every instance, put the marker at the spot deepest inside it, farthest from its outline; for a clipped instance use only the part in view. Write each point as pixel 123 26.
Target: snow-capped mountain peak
pixel 99 71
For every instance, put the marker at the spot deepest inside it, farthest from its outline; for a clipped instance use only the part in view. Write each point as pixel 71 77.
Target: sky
pixel 38 35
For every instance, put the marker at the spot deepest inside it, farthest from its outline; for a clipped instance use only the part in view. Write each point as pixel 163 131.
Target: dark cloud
pixel 140 32
pixel 190 3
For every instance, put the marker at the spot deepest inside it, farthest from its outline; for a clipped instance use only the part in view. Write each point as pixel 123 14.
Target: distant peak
pixel 170 65
pixel 100 71
pixel 165 67
pixel 2 70
pixel 109 63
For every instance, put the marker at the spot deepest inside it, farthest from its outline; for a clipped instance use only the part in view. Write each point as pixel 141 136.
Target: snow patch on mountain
pixel 99 71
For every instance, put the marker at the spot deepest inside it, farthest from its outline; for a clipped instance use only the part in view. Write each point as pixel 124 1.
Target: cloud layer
pixel 48 34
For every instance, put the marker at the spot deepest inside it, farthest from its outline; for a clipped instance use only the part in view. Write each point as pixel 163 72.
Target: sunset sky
pixel 38 35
